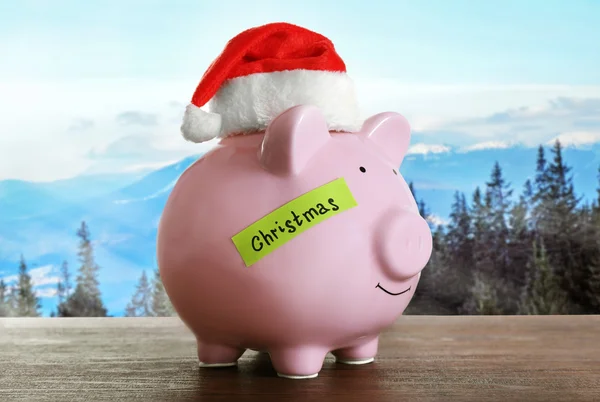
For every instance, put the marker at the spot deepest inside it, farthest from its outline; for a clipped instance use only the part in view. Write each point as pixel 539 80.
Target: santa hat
pixel 264 71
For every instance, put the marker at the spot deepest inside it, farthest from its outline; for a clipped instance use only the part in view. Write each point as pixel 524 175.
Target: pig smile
pixel 390 293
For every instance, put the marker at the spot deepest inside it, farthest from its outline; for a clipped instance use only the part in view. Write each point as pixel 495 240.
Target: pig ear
pixel 391 132
pixel 292 139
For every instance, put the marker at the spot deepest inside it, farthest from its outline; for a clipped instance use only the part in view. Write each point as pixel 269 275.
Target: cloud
pixel 180 106
pixel 139 152
pixel 436 220
pixel 424 149
pixel 162 143
pixel 40 277
pixel 528 125
pixel 132 118
pixel 80 125
pixel 559 107
pixel 129 147
pixel 46 292
pixel 487 145
pixel 429 107
pixel 149 113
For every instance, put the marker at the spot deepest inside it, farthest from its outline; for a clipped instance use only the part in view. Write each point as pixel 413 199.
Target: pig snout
pixel 403 244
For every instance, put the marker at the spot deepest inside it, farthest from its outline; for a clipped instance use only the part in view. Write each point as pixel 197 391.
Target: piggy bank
pixel 295 241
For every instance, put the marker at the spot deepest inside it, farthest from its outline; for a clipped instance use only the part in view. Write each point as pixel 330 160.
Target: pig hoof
pixel 215 365
pixel 298 377
pixel 298 362
pixel 218 355
pixel 357 361
pixel 362 352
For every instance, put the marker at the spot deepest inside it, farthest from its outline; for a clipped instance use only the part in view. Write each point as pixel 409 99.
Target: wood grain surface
pixel 421 358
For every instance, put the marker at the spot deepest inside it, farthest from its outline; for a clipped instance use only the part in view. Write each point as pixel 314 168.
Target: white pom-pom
pixel 200 126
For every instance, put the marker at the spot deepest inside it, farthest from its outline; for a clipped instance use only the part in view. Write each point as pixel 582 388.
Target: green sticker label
pixel 282 225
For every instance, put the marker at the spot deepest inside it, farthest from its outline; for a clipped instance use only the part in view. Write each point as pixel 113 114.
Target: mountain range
pixel 39 220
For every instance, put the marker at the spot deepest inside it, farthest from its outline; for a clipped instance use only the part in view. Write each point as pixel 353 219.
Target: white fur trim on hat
pixel 200 126
pixel 248 104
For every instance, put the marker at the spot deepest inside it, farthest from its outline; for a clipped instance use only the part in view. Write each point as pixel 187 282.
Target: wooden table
pixel 423 358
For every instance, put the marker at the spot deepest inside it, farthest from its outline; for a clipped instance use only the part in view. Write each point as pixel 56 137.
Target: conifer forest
pixel 508 248
pixel 81 296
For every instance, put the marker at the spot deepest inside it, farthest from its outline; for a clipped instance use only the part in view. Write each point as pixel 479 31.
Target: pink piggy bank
pixel 296 242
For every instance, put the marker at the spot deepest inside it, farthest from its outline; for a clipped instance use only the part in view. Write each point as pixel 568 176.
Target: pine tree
pixel 517 221
pixel 597 203
pixel 439 285
pixel 28 304
pixel 527 199
pixel 66 279
pixel 459 240
pixel 141 302
pixel 452 261
pixel 423 211
pixel 481 232
pixel 564 232
pixel 593 268
pixel 161 305
pixel 593 291
pixel 5 310
pixel 484 299
pixel 540 199
pixel 60 293
pixel 499 193
pixel 12 300
pixel 441 288
pixel 481 264
pixel 520 237
pixel 587 266
pixel 503 275
pixel 543 293
pixel 554 197
pixel 86 300
pixel 63 286
pixel 528 192
pixel 561 191
pixel 541 171
pixel 538 255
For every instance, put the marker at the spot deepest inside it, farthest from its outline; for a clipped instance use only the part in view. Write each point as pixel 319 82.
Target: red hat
pixel 264 71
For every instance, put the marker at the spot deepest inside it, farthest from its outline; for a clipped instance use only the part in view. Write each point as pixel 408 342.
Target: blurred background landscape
pixel 503 99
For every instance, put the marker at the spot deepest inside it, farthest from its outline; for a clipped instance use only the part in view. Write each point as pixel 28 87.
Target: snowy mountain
pixel 39 220
pixel 438 175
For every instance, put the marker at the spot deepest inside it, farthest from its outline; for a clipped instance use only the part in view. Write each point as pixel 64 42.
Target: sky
pixel 100 87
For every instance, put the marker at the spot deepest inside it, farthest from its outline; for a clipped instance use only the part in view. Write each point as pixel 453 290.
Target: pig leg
pixel 298 362
pixel 361 353
pixel 218 355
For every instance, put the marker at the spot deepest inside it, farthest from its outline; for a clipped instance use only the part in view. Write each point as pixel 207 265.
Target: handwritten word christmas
pixel 290 220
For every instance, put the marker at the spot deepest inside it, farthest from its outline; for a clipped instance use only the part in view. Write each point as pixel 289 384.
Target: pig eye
pixel 362 169
pixel 394 170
